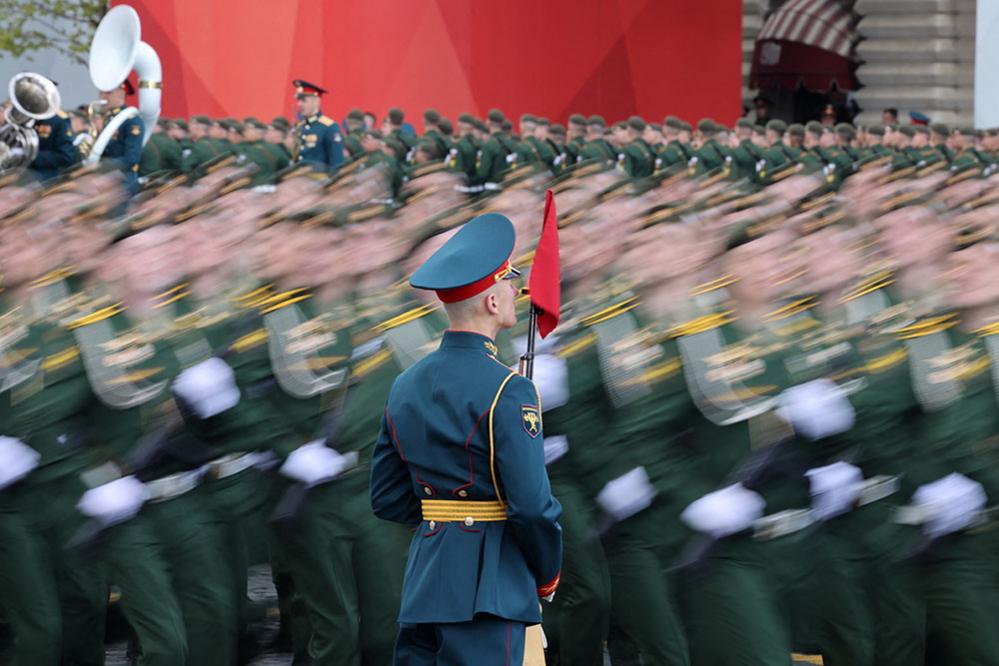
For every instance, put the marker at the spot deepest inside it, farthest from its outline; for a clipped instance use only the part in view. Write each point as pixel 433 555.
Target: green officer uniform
pixel 54 598
pixel 639 157
pixel 160 152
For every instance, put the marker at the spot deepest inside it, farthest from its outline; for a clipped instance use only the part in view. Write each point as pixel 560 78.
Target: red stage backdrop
pixel 548 57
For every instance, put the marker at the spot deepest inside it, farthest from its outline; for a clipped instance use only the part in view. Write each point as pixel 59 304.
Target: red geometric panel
pixel 552 58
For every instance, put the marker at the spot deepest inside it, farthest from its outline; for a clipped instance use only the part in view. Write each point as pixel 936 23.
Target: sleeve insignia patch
pixel 531 418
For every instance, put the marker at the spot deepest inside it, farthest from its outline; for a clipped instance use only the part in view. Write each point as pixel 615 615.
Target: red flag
pixel 545 281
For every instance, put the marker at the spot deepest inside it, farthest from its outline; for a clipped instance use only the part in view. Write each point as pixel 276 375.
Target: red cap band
pixel 477 287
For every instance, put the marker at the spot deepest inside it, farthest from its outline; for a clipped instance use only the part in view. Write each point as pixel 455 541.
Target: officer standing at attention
pixel 460 458
pixel 125 147
pixel 317 136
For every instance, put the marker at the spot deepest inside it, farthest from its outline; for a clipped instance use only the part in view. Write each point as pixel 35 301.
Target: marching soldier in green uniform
pixel 710 155
pixel 576 411
pixel 163 541
pixel 392 128
pixel 920 152
pixel 952 476
pixel 273 144
pixel 675 151
pixel 939 133
pixel 575 137
pixel 203 148
pixel 54 598
pixel 747 159
pixel 639 157
pixel 431 120
pixel 353 122
pixel 306 352
pixel 468 146
pixel 875 141
pixel 160 152
pixel 253 150
pixel 964 150
pixel 491 160
pixel 596 146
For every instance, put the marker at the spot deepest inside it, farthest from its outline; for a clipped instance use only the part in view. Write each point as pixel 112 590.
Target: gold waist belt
pixel 463 510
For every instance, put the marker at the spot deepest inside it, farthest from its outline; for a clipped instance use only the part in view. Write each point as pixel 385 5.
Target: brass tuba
pixel 32 97
pixel 117 49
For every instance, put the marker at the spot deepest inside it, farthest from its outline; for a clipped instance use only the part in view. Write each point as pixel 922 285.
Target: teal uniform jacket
pixel 55 146
pixel 319 141
pixel 460 425
pixel 125 147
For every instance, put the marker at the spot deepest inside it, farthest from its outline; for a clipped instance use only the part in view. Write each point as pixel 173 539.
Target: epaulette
pixel 962 175
pixel 250 340
pixel 62 114
pixel 932 168
pixel 326 120
pixel 171 295
pixel 713 285
pixel 320 219
pixel 899 201
pixel 815 202
pixel 889 360
pixel 927 326
pixel 405 317
pixel 871 284
pixel 874 162
pixel 365 214
pixel 59 359
pixel 52 277
pixel 94 317
pixel 427 169
pixel 284 299
pixel 579 344
pixel 823 220
pixel 793 308
pixel 610 312
pixel 701 324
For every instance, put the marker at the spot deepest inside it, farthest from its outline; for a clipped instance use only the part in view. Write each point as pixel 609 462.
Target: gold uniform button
pixel 469 521
pixel 433 525
pixel 427 490
pixel 462 493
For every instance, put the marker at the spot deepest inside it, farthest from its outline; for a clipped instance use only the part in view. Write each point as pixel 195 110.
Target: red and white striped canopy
pixel 824 24
pixel 807 43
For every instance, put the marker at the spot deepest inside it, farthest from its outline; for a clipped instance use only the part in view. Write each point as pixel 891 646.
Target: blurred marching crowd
pixel 770 410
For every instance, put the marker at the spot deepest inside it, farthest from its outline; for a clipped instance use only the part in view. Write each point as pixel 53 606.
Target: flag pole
pixel 527 360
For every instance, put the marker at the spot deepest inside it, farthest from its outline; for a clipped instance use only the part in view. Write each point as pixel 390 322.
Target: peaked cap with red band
pixel 306 88
pixel 471 261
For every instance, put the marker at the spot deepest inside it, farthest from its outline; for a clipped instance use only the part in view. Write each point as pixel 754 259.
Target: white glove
pixel 551 376
pixel 627 495
pixel 724 512
pixel 835 489
pixel 17 459
pixel 951 504
pixel 114 502
pixel 556 446
pixel 816 409
pixel 209 387
pixel 316 463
